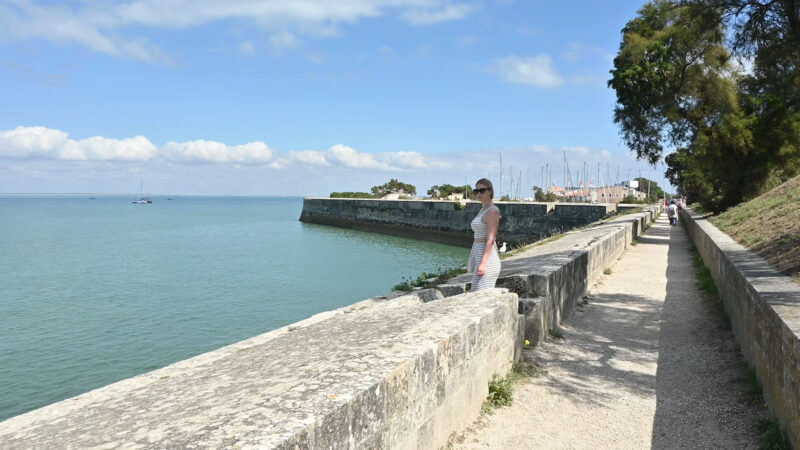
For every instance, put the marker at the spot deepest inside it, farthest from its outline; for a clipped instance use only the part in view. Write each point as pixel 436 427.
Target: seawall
pixel 396 371
pixel 764 310
pixel 448 222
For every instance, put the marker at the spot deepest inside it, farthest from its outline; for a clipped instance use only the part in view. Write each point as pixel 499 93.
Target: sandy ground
pixel 648 362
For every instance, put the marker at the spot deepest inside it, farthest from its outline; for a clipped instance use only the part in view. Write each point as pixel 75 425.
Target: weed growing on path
pixel 501 393
pixel 771 436
pixel 607 271
pixel 555 334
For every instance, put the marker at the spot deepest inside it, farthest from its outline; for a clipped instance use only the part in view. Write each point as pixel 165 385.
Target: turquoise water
pixel 95 291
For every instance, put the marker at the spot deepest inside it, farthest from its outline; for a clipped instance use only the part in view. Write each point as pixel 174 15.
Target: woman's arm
pixel 492 219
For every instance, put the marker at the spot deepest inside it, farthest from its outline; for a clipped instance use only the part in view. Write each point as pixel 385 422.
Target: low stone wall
pixel 391 374
pixel 764 310
pixel 447 222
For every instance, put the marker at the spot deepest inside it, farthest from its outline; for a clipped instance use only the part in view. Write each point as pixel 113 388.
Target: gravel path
pixel 649 362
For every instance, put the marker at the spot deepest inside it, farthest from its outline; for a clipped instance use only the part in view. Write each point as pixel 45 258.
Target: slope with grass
pixel 769 225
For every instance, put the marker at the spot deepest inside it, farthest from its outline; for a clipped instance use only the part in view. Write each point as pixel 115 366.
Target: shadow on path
pixel 702 396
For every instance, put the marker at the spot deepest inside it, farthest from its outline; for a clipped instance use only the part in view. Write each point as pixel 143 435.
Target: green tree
pixel 351 195
pixel 446 190
pixel 733 135
pixel 651 188
pixel 540 196
pixel 393 186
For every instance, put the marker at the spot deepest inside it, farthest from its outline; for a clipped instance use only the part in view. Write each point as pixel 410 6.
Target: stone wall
pixel 448 222
pixel 764 310
pixel 392 374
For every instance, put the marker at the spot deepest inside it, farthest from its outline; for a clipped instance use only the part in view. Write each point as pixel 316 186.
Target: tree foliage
pixel 445 190
pixel 651 188
pixel 678 88
pixel 393 186
pixel 541 196
pixel 351 195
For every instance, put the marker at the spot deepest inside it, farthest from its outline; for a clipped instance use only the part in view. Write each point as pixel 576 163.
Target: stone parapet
pixel 391 374
pixel 764 310
pixel 449 222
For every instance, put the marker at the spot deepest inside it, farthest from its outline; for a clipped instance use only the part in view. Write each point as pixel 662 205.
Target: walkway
pixel 648 362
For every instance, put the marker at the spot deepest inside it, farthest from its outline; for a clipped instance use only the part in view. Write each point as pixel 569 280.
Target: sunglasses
pixel 480 190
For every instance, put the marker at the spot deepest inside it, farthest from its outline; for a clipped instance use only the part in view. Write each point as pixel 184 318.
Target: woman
pixel 484 262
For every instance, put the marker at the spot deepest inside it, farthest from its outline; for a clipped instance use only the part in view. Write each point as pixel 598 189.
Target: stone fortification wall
pixel 392 374
pixel 397 371
pixel 764 310
pixel 447 222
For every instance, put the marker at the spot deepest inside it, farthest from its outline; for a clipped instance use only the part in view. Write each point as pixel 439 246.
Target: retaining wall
pixel 764 310
pixel 449 222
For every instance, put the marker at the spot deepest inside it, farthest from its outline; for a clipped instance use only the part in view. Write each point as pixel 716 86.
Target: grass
pixel 428 280
pixel 607 271
pixel 555 334
pixel 501 390
pixel 769 226
pixel 705 282
pixel 772 438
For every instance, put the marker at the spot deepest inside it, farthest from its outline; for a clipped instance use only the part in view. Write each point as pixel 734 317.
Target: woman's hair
pixel 486 183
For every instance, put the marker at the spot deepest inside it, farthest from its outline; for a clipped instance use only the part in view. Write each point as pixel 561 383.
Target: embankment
pixel 397 371
pixel 448 222
pixel 764 310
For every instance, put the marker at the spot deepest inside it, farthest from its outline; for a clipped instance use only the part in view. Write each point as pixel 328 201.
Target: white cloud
pixel 536 71
pixel 217 152
pixel 26 142
pixel 309 157
pixel 106 27
pixel 349 157
pixel 41 142
pixel 98 148
pixel 438 13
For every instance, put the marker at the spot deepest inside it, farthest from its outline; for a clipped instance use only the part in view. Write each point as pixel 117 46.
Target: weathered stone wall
pixel 443 221
pixel 392 374
pixel 764 310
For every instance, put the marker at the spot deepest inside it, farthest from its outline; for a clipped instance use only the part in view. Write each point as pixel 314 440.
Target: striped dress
pixel 489 279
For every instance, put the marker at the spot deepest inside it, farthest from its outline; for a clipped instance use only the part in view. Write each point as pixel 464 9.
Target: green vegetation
pixel 501 390
pixel 555 334
pixel 736 135
pixel 607 271
pixel 540 196
pixel 501 393
pixel 769 225
pixel 351 195
pixel 393 186
pixel 771 436
pixel 446 190
pixel 428 280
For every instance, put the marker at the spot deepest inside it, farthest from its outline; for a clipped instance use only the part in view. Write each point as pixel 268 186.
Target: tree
pixel 733 135
pixel 540 196
pixel 650 188
pixel 393 186
pixel 446 190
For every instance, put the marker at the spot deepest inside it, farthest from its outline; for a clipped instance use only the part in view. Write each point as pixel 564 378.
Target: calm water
pixel 95 291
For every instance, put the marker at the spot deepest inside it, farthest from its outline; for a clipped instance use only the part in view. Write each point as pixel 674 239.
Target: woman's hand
pixel 482 269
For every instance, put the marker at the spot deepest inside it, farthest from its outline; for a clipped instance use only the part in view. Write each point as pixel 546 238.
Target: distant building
pixel 607 194
pixel 456 196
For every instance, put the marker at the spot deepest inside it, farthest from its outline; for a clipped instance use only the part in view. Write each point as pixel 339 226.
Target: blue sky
pixel 305 97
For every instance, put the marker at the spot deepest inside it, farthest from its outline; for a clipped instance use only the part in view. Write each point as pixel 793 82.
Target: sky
pixel 306 97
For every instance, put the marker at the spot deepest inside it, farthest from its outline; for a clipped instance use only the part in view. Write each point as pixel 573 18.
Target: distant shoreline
pixel 87 194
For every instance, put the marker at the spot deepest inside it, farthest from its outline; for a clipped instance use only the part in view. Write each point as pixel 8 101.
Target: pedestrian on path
pixel 672 213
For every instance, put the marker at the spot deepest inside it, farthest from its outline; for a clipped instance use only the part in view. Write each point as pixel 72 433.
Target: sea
pixel 96 290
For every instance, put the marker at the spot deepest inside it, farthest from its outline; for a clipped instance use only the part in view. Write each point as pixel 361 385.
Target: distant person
pixel 484 261
pixel 672 213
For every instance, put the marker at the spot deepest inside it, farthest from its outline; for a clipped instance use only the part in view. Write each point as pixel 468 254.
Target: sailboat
pixel 140 198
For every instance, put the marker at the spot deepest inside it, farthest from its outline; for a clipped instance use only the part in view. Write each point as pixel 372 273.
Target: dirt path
pixel 647 363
